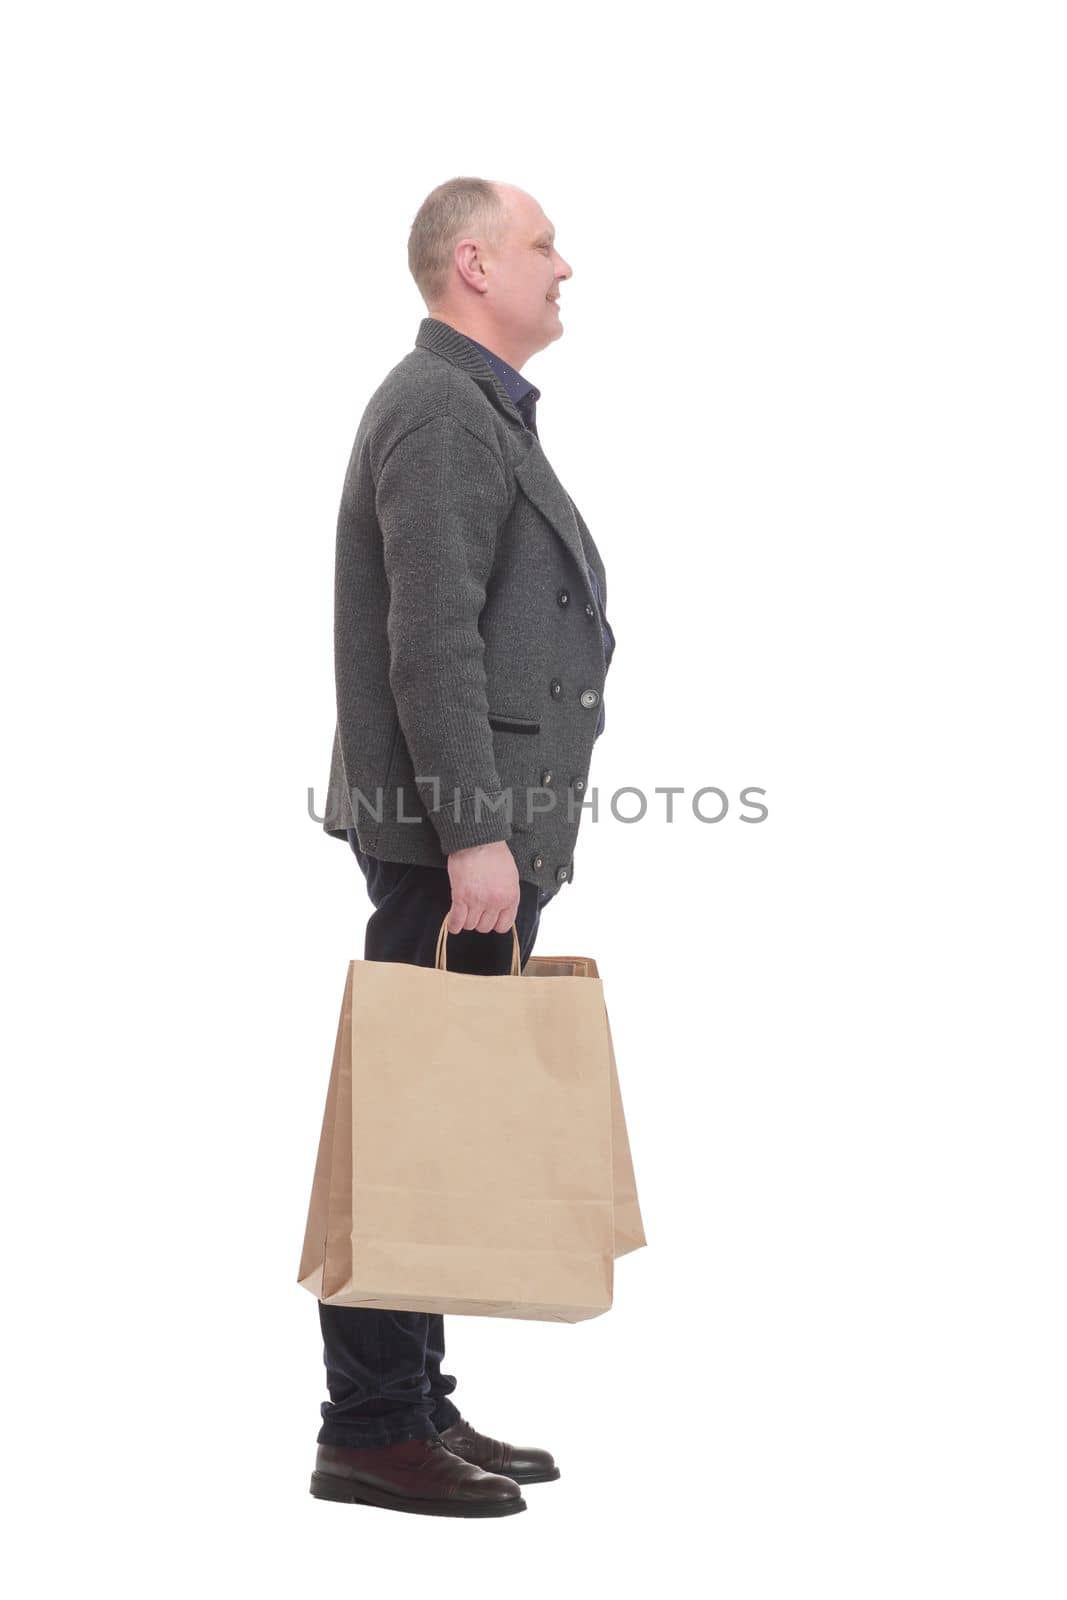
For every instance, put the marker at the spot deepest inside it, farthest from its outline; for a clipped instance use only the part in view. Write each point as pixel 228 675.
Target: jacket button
pixel 561 874
pixel 546 779
pixel 589 611
pixel 589 697
pixel 563 597
pixel 537 863
pixel 556 688
pixel 578 785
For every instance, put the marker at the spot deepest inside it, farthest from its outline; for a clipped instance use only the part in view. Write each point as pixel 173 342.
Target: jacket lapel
pixel 536 477
pixel 539 483
pixel 592 554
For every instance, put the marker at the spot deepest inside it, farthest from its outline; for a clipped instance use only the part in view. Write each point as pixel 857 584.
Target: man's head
pixel 484 257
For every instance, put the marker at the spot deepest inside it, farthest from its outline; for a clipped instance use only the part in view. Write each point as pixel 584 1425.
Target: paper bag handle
pixel 441 957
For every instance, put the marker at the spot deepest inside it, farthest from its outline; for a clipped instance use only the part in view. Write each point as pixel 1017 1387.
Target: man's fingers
pixel 506 919
pixel 465 916
pixel 470 916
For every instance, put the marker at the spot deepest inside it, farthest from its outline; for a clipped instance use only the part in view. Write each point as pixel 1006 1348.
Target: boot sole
pixel 531 1477
pixel 348 1492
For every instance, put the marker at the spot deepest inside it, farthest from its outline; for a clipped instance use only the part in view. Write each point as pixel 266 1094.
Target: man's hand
pixel 485 888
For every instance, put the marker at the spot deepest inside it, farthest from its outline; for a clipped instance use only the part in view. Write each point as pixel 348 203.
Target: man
pixel 471 649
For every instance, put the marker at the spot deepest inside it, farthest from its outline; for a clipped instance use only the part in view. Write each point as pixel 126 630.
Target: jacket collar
pixel 444 340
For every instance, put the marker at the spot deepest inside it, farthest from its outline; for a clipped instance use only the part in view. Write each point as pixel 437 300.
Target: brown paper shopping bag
pixel 629 1230
pixel 473 1156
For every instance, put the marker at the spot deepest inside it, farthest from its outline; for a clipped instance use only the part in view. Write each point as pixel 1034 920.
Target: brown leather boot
pixel 418 1475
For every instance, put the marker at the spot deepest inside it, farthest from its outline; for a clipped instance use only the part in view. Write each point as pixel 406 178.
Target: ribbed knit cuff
pixel 471 827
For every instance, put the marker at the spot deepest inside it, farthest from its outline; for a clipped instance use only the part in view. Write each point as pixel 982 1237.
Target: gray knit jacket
pixel 468 649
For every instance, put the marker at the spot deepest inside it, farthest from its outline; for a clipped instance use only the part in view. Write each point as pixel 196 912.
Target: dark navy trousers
pixel 383 1368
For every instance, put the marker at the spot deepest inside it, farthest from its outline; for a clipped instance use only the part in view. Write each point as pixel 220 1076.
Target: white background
pixel 810 399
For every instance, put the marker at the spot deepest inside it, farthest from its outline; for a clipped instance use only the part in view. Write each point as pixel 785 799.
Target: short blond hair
pixel 460 206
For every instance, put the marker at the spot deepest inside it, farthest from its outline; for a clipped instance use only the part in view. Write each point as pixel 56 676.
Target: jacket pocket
pixel 504 724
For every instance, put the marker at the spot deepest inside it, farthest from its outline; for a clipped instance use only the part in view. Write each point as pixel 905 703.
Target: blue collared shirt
pixel 524 396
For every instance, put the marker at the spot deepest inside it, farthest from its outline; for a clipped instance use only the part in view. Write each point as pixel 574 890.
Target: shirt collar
pixel 516 386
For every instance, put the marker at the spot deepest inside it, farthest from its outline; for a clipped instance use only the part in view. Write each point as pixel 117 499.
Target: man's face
pixel 525 274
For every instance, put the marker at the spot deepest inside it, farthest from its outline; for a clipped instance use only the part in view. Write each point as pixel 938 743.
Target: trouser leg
pixel 445 1411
